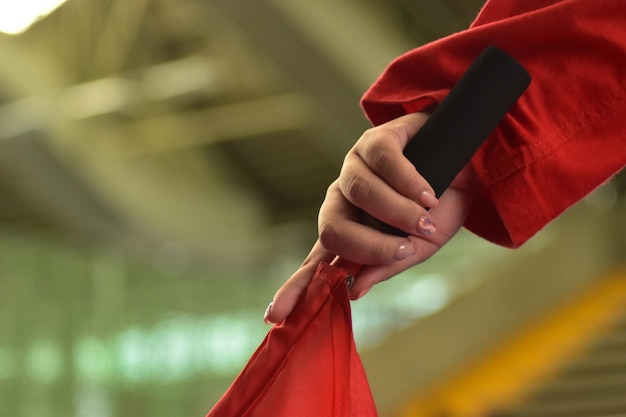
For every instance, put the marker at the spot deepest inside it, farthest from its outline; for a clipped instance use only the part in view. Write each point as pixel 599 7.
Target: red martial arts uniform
pixel 565 136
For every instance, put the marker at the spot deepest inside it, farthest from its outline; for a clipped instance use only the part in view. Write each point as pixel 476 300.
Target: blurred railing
pixel 571 362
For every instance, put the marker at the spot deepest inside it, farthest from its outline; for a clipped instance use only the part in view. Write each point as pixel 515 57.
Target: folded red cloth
pixel 308 365
pixel 565 135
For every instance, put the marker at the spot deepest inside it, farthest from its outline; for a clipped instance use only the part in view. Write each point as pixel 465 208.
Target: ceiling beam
pixel 304 67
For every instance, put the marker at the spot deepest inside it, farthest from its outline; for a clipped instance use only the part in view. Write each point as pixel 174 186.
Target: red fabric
pixel 308 365
pixel 565 136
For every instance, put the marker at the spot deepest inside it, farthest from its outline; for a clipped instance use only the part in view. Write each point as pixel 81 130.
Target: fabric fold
pixel 308 365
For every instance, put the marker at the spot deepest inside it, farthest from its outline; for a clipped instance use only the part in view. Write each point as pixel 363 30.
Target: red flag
pixel 308 365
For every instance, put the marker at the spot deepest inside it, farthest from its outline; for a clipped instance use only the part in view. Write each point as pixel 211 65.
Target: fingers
pixel 341 233
pixel 374 274
pixel 450 215
pixel 381 149
pixel 366 190
pixel 377 179
pixel 287 296
pixel 376 176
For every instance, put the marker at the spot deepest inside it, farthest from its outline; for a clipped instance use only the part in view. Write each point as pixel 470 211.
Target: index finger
pixel 381 149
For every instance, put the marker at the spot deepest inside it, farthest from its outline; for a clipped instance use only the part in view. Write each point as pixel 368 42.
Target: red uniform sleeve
pixel 564 137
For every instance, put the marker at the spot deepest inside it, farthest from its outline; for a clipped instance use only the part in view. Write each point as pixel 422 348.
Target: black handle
pixel 466 117
pixel 463 121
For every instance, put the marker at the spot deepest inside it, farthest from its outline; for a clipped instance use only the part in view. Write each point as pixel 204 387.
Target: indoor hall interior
pixel 162 163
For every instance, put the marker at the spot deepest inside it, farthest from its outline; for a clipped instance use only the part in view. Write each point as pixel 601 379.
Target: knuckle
pixel 378 254
pixel 385 159
pixel 381 160
pixel 329 235
pixel 378 150
pixel 369 133
pixel 356 188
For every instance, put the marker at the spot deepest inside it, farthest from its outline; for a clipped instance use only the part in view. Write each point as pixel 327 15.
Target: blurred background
pixel 161 167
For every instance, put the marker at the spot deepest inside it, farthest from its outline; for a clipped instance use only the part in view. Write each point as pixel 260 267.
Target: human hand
pixel 378 179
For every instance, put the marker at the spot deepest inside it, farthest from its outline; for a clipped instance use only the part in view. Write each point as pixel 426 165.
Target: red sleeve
pixel 564 137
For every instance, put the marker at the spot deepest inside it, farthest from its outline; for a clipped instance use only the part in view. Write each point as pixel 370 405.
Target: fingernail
pixel 267 313
pixel 405 250
pixel 428 199
pixel 362 293
pixel 426 226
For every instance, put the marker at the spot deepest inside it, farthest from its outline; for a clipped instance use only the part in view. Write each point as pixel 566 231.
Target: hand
pixel 378 179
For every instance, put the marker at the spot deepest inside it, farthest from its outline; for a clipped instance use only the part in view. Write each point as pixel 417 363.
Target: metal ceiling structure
pixel 208 123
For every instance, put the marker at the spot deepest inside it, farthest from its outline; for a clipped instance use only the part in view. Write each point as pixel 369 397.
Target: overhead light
pixel 16 16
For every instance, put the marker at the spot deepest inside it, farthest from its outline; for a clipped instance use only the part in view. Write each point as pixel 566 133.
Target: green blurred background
pixel 161 166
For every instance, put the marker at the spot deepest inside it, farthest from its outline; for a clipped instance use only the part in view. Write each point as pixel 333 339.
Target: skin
pixel 374 177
